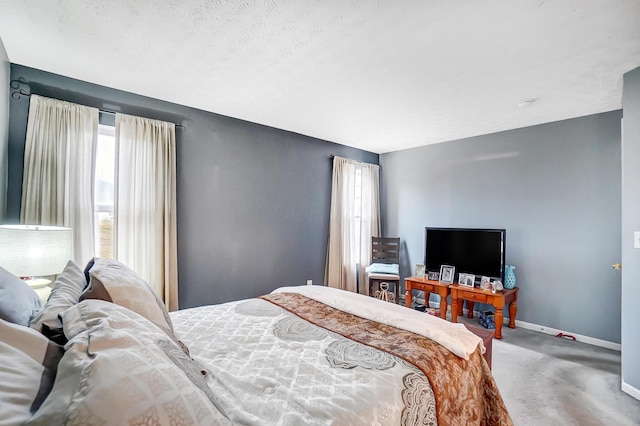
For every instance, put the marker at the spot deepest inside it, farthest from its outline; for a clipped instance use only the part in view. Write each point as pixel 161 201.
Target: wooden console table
pixel 498 300
pixel 428 286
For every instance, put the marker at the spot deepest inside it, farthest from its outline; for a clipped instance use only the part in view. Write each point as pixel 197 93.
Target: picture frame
pixel 485 283
pixel 447 272
pixel 420 271
pixel 467 280
pixel 433 276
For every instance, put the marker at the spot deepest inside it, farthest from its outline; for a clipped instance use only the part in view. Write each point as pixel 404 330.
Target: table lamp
pixel 33 252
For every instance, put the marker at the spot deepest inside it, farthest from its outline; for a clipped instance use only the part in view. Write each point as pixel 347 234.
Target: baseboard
pixel 544 329
pixel 634 392
pixel 579 337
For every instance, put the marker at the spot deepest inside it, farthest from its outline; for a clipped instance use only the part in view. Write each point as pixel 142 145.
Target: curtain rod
pixel 18 92
pixel 332 156
pixel 106 111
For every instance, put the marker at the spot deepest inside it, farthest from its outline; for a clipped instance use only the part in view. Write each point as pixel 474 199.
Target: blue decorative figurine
pixel 509 276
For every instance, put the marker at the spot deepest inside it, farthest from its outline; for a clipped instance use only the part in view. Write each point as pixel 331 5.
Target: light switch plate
pixel 636 239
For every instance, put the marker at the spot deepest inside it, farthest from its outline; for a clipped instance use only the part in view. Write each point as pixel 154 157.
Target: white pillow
pixel 66 293
pixel 115 282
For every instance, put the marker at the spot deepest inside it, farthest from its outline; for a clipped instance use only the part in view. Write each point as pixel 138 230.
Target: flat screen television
pixel 472 251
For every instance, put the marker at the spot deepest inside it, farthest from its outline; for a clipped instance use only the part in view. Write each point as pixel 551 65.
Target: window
pixel 104 190
pixel 355 219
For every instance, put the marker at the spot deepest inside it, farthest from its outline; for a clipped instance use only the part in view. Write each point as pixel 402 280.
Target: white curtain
pixel 354 219
pixel 58 179
pixel 370 221
pixel 145 202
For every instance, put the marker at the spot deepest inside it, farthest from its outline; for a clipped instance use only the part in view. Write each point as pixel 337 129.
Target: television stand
pixel 498 300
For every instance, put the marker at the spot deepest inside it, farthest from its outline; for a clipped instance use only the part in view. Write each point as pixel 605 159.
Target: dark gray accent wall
pixel 630 223
pixel 253 201
pixel 5 74
pixel 555 188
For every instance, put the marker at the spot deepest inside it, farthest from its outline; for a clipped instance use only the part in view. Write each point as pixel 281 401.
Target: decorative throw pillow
pixel 384 268
pixel 18 302
pixel 28 365
pixel 66 292
pixel 120 369
pixel 115 282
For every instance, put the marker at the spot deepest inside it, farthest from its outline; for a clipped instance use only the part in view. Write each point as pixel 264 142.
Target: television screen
pixel 473 251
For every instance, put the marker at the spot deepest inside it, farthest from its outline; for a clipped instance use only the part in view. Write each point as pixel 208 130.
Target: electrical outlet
pixel 636 239
pixel 309 282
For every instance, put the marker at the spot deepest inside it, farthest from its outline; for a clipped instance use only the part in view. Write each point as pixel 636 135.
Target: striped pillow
pixel 115 282
pixel 120 369
pixel 28 367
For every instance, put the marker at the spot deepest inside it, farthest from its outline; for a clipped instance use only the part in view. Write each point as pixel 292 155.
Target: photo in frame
pixel 433 276
pixel 420 271
pixel 485 283
pixel 467 280
pixel 447 273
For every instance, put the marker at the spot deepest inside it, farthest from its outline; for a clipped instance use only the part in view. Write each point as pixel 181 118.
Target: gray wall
pixel 630 223
pixel 555 188
pixel 5 74
pixel 253 201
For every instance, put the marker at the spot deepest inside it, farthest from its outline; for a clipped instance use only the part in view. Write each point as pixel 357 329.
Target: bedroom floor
pixel 545 380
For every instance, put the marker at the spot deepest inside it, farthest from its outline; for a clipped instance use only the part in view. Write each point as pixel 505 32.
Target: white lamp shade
pixel 35 250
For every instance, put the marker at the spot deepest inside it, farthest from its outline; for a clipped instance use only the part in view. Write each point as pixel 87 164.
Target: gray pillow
pixel 18 302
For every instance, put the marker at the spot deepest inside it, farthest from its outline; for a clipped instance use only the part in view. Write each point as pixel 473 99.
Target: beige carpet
pixel 545 380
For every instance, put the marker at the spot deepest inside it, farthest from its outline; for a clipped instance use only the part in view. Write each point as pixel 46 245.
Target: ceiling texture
pixel 377 75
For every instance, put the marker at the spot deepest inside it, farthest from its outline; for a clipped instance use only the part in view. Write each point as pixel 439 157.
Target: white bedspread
pixel 454 337
pixel 267 366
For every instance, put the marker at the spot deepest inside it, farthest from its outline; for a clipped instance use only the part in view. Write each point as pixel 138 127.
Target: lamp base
pixel 41 287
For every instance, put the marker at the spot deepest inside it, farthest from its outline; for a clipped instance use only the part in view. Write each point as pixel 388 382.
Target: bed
pixel 105 351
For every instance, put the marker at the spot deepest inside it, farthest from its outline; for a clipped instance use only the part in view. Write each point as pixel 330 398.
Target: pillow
pixel 28 365
pixel 88 268
pixel 384 268
pixel 66 293
pixel 120 369
pixel 18 302
pixel 115 282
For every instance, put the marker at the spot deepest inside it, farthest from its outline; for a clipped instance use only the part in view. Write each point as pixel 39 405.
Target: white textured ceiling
pixel 377 75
